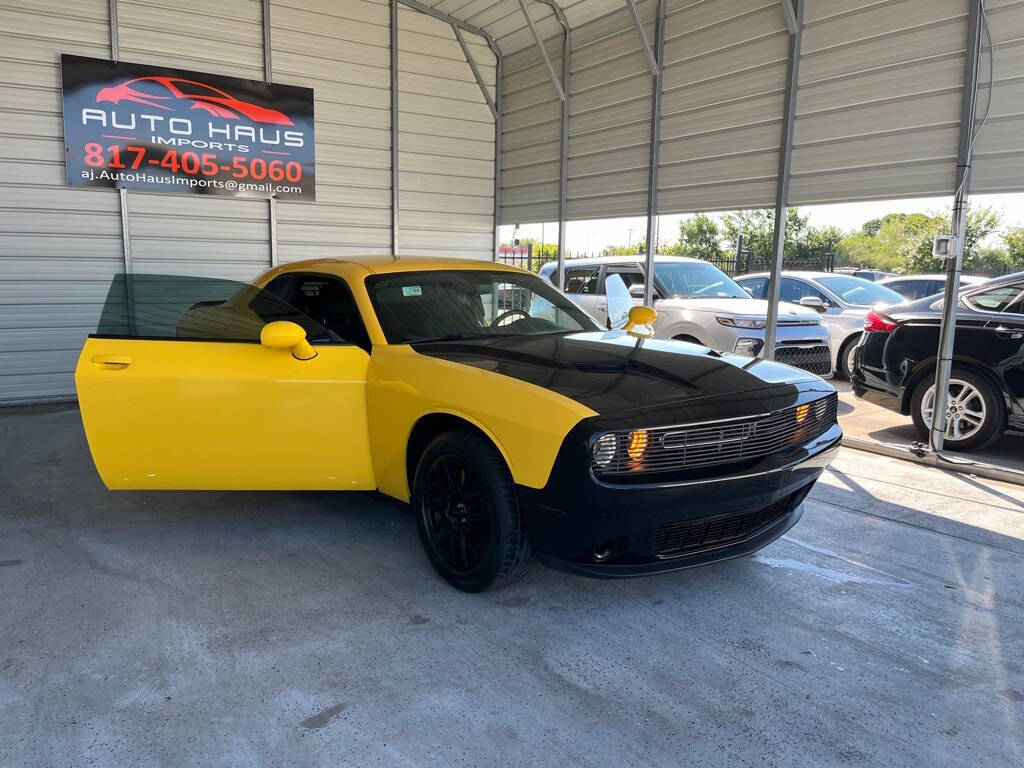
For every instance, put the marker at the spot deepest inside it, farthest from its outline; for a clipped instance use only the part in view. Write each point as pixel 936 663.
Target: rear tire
pixel 467 513
pixel 980 412
pixel 846 355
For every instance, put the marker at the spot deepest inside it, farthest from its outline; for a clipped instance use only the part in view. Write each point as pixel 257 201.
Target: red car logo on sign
pixel 170 93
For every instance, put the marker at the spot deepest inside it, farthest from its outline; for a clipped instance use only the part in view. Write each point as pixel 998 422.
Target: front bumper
pixel 615 531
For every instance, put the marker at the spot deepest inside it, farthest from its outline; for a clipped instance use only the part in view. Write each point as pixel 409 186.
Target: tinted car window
pixel 793 290
pixel 695 280
pixel 183 308
pixel 629 275
pixel 460 304
pixel 854 290
pixel 581 280
pixel 996 299
pixel 755 286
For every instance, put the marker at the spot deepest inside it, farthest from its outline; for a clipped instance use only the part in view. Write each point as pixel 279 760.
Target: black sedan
pixel 896 357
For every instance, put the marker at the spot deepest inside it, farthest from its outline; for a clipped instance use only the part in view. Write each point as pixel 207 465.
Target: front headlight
pixel 740 322
pixel 749 347
pixel 604 449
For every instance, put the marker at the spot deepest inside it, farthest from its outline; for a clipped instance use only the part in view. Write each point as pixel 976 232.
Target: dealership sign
pixel 171 130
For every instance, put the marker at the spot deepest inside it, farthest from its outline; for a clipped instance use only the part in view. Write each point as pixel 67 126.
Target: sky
pixel 591 236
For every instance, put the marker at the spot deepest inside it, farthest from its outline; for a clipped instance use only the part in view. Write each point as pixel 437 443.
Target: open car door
pixel 177 391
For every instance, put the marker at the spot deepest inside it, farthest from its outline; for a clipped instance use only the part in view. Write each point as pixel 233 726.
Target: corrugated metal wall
pixel 878 112
pixel 998 153
pixel 342 51
pixel 445 141
pixel 196 234
pixel 724 86
pixel 60 247
pixel 878 106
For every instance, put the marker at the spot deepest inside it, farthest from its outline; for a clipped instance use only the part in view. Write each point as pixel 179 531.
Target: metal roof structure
pixel 439 120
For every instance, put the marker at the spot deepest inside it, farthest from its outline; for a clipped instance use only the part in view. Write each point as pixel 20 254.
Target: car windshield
pixel 854 290
pixel 695 280
pixel 453 305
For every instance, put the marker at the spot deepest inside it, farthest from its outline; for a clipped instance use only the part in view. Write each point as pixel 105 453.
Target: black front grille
pixel 816 360
pixel 719 444
pixel 675 539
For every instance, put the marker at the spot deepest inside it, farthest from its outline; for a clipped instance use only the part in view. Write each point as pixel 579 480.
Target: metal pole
pixel 563 170
pixel 655 156
pixel 394 127
pixel 782 184
pixel 498 75
pixel 122 195
pixel 947 332
pixel 268 75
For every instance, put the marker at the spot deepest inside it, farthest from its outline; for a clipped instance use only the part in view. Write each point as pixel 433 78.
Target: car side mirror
pixel 284 334
pixel 641 316
pixel 636 290
pixel 813 302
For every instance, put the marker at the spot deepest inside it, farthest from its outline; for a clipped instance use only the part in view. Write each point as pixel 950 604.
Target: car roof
pixel 797 273
pixel 902 278
pixel 386 264
pixel 629 257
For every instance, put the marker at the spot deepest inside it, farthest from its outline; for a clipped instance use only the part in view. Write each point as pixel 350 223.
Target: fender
pixel 526 422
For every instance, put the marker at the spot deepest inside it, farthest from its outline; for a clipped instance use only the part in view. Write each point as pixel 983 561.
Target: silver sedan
pixel 843 301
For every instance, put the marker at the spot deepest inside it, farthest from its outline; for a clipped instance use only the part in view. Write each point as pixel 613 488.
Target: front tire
pixel 467 513
pixel 975 411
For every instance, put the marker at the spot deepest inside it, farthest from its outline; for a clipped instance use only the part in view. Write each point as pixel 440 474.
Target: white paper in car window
pixel 412 290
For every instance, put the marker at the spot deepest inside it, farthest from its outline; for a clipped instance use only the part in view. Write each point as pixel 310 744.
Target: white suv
pixel 699 303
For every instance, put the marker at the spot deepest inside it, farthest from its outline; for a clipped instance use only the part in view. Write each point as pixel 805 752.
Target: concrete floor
pixel 236 629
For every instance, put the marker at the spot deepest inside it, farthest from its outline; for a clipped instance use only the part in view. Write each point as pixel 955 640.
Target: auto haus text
pixel 179 131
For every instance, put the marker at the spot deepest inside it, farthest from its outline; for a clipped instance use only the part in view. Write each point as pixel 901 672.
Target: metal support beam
pixel 268 74
pixel 476 72
pixel 543 51
pixel 465 26
pixel 789 13
pixel 652 60
pixel 947 333
pixel 655 157
pixel 393 21
pixel 499 70
pixel 563 153
pixel 122 195
pixel 782 183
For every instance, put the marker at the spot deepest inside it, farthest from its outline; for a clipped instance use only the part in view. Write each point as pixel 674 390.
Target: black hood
pixel 632 381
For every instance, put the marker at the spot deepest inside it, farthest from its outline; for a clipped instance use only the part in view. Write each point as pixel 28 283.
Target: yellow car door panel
pixel 205 415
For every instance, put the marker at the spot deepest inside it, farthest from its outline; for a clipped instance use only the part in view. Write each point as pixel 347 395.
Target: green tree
pixel 625 250
pixel 758 230
pixel 981 222
pixel 699 238
pixel 1013 238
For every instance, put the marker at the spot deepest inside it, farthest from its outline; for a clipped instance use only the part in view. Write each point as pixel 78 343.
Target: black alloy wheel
pixel 455 514
pixel 467 513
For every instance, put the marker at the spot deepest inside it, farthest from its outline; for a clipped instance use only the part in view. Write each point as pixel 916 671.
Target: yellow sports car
pixel 508 418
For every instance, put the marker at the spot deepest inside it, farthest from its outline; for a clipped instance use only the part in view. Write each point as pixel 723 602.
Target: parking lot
pixel 301 628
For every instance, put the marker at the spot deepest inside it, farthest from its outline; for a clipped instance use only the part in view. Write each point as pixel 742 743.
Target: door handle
pixel 602 307
pixel 111 362
pixel 1008 333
